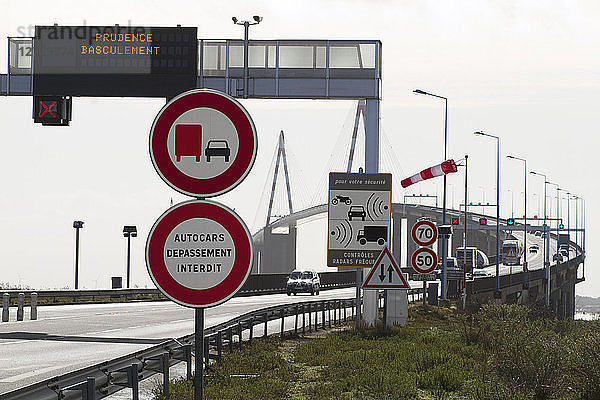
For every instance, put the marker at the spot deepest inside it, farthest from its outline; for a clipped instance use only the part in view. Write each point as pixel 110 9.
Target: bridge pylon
pixel 360 109
pixel 280 156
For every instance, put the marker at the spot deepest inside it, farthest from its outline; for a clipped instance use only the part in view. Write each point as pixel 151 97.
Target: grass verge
pixel 499 352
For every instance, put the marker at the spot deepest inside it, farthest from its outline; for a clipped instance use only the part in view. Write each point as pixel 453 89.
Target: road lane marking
pixel 15 378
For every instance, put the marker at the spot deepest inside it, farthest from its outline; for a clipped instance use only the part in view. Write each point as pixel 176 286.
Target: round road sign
pixel 203 143
pixel 424 233
pixel 199 253
pixel 424 260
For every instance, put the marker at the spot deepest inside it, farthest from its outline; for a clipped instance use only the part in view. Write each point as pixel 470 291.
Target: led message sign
pixel 114 60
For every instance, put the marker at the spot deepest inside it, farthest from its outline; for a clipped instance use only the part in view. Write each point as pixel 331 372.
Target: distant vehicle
pixel 538 233
pixel 452 267
pixel 217 148
pixel 372 234
pixel 480 273
pixel 534 248
pixel 511 252
pixel 300 281
pixel 481 259
pixel 343 199
pixel 357 211
pixel 557 257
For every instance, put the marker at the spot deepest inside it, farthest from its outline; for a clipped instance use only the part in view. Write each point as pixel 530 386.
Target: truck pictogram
pixel 372 234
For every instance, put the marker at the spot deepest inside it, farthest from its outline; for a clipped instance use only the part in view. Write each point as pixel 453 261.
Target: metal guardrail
pixel 106 378
pixel 255 285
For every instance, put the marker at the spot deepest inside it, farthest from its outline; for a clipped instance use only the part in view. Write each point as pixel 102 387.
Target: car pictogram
pixel 357 211
pixel 217 148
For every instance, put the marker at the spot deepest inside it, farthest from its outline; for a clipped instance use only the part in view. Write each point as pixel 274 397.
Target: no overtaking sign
pixel 199 253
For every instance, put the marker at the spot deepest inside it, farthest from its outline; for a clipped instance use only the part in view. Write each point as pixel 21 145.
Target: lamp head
pixel 478 133
pixel 257 18
pixel 234 19
pixel 419 91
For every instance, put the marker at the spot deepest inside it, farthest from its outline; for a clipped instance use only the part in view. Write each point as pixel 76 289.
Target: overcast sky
pixel 527 71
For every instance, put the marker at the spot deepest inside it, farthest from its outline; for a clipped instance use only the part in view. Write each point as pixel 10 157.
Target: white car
pixel 306 281
pixel 480 273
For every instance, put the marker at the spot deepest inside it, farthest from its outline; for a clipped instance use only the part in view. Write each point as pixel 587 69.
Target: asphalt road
pixel 67 338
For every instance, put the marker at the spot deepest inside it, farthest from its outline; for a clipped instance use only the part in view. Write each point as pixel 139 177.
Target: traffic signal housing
pixel 510 221
pixel 52 110
pixel 482 221
pixel 455 221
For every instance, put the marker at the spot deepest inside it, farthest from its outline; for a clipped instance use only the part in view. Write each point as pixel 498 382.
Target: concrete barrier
pixel 20 306
pixel 33 314
pixel 5 305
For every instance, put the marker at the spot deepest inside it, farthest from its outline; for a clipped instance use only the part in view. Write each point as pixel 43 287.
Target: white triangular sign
pixel 385 273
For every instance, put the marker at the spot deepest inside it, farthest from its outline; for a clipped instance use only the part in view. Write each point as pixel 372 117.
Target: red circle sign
pixel 199 253
pixel 424 233
pixel 203 143
pixel 424 260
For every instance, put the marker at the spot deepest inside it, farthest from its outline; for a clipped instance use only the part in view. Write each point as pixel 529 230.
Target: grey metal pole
pixel 546 249
pixel 583 238
pixel 577 252
pixel 246 26
pixel 557 224
pixel 444 239
pixel 358 283
pixel 568 228
pixel 525 266
pixel 199 354
pixel 76 258
pixel 497 214
pixel 443 277
pixel 465 228
pixel 128 257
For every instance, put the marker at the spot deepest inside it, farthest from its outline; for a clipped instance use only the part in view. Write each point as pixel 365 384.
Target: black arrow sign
pixel 390 269
pixel 382 274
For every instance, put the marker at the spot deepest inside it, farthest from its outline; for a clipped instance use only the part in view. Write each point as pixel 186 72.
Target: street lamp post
pixel 246 25
pixel 497 205
pixel 546 242
pixel 525 251
pixel 558 224
pixel 77 225
pixel 129 231
pixel 512 203
pixel 418 91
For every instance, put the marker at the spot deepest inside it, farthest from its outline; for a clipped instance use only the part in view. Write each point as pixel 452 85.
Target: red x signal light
pixel 482 221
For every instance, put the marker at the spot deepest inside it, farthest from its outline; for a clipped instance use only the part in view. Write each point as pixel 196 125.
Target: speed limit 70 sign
pixel 424 233
pixel 424 260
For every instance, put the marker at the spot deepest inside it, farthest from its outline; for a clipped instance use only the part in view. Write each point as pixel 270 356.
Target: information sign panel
pixel 359 218
pixel 114 60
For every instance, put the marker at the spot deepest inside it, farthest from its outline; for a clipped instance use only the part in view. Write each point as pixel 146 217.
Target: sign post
pixel 424 260
pixel 386 274
pixel 199 253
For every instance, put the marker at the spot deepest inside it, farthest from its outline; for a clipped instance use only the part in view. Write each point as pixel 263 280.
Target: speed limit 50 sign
pixel 424 260
pixel 424 233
